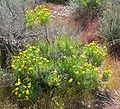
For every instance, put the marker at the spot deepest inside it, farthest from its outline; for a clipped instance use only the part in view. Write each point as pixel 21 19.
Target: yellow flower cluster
pixel 84 71
pixel 28 60
pixel 54 78
pixel 96 53
pixel 19 82
pixel 108 71
pixel 97 48
pixel 106 74
pixel 74 56
pixel 71 47
pixel 71 80
pixel 23 87
pixel 29 11
pixel 40 14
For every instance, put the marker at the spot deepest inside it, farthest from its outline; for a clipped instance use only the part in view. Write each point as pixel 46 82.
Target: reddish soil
pixel 89 32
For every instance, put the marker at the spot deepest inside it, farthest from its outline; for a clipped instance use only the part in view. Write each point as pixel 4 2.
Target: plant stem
pixel 46 35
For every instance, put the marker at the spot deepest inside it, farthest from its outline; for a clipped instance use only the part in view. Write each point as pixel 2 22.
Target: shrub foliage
pixel 89 7
pixel 65 63
pixel 110 25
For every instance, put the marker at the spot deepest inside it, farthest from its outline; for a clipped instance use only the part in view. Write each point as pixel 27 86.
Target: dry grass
pixel 114 82
pixel 113 85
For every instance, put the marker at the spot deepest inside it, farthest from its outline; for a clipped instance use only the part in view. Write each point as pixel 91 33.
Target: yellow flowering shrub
pixel 68 62
pixel 95 53
pixel 79 64
pixel 23 88
pixel 40 15
pixel 106 74
pixel 29 60
pixel 28 65
pixel 53 78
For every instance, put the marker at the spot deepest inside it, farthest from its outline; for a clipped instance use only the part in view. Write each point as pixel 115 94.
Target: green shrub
pixel 90 7
pixel 65 63
pixel 110 26
pixel 28 66
pixel 95 54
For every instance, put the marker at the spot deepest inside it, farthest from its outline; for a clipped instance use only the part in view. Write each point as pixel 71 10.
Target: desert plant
pixel 67 62
pixel 29 68
pixel 89 7
pixel 95 54
pixel 40 15
pixel 110 25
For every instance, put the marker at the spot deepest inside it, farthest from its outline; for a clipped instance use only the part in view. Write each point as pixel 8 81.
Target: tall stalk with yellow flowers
pixel 40 15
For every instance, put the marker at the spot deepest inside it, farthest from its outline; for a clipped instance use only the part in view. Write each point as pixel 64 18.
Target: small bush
pixel 91 8
pixel 65 63
pixel 110 26
pixel 95 53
